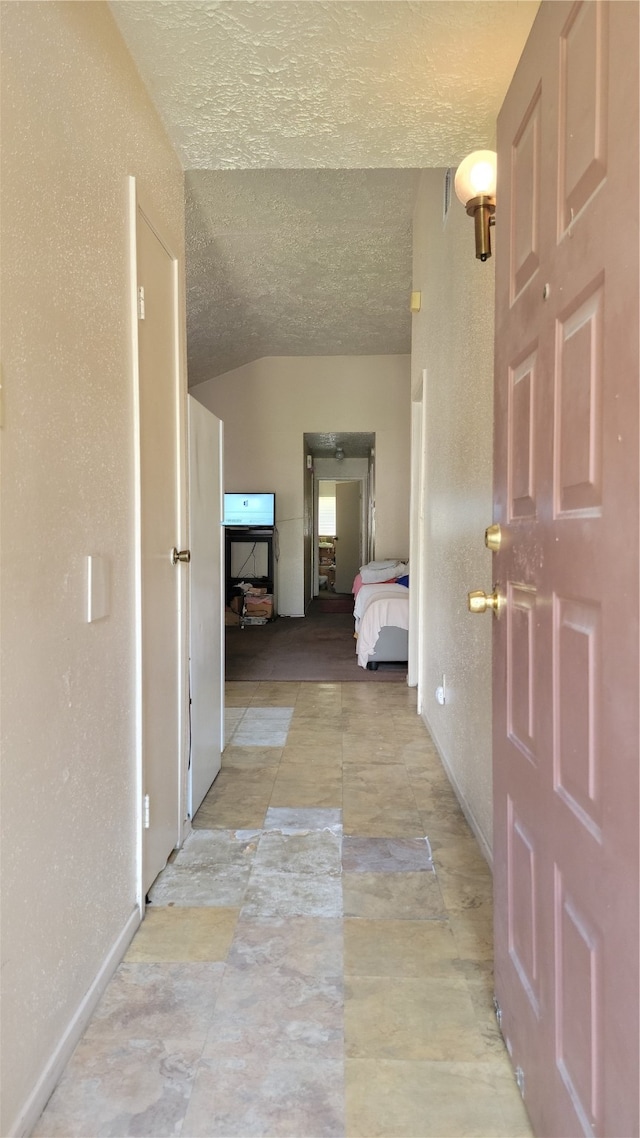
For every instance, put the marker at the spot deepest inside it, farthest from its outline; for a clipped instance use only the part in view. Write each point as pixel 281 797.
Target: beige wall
pixel 267 406
pixel 76 122
pixel 453 346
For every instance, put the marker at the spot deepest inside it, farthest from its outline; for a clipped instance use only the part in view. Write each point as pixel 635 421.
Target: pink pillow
pixel 357 583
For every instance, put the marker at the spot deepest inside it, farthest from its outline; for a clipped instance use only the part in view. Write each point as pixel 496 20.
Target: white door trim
pixel 137 536
pixel 137 201
pixel 414 541
pixel 418 545
pixel 364 519
pixel 204 627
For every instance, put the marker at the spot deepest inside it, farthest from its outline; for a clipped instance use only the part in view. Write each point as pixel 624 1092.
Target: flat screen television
pixel 249 510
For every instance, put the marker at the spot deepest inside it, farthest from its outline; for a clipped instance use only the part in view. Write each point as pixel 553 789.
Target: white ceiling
pixel 301 125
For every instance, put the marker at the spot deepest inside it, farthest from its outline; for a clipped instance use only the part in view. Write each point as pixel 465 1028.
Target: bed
pixel 381 616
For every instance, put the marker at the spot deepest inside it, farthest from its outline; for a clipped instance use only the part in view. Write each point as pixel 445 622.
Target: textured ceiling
pixel 297 262
pixel 327 83
pixel 332 91
pixel 355 444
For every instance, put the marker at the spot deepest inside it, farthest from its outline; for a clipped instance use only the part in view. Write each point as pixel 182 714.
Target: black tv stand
pixel 249 535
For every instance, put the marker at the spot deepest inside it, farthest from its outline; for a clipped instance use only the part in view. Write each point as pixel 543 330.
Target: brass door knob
pixel 493 537
pixel 479 601
pixel 180 555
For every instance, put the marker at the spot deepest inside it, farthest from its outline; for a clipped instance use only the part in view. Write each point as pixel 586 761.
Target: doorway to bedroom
pixel 339 508
pixel 338 470
pixel 339 534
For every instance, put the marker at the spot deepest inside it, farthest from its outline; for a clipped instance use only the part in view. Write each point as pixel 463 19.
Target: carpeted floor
pixel 333 602
pixel 319 646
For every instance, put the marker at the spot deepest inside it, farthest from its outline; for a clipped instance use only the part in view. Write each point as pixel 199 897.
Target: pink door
pixel 566 845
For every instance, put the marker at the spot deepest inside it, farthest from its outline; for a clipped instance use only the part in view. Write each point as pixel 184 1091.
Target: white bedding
pixel 379 606
pixel 376 572
pixel 367 593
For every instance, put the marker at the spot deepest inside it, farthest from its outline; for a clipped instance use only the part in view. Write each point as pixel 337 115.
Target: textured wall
pixel 453 341
pixel 76 122
pixel 267 407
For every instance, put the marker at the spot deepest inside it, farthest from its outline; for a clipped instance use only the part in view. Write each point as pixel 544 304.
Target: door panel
pixel 521 656
pixel 348 526
pixel 578 398
pixel 160 531
pixel 583 119
pixel 206 623
pixel 579 967
pixel 577 753
pixel 308 544
pixel 522 907
pixel 566 645
pixel 521 427
pixel 525 202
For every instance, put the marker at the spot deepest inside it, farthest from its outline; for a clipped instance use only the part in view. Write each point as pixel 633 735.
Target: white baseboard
pixel 46 1084
pixel 464 805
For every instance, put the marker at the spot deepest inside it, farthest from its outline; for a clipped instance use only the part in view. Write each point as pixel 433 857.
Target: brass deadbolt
pixel 493 537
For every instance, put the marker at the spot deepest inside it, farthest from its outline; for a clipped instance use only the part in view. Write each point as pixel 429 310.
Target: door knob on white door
pixel 180 555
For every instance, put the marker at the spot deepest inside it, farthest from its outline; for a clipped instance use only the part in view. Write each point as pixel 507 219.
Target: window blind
pixel 327 517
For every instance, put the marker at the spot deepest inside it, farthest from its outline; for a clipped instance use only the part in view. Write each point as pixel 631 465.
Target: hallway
pixel 309 964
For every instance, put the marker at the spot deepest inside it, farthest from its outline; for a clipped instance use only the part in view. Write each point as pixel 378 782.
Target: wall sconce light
pixel 475 186
pixel 339 454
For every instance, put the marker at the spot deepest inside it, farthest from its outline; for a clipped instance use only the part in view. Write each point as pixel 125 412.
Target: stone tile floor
pixel 316 960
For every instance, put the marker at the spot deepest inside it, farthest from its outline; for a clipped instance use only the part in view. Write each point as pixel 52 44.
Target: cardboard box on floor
pixel 259 605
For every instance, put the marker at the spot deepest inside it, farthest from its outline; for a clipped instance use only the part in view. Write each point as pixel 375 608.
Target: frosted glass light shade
pixel 476 175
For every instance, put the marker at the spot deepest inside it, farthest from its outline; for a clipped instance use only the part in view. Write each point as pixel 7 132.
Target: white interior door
pixel 206 624
pixel 162 584
pixel 348 524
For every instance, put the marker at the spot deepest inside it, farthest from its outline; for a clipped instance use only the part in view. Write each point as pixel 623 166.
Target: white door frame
pixel 136 201
pixel 364 517
pixel 417 551
pixel 197 414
